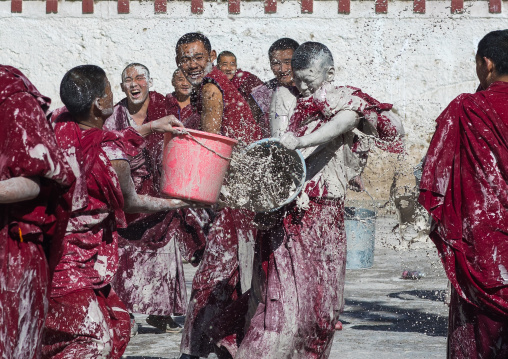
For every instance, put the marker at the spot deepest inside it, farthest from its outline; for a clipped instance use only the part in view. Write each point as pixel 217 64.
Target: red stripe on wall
pixel 197 6
pixel 123 6
pixel 234 6
pixel 307 6
pixel 87 6
pixel 270 6
pixel 495 6
pixel 51 6
pixel 419 6
pixel 344 6
pixel 160 6
pixel 457 6
pixel 16 5
pixel 381 6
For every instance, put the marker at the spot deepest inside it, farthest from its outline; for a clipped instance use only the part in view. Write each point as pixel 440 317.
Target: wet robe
pixel 150 277
pixel 28 148
pixel 464 188
pixel 86 318
pixel 217 281
pixel 300 262
pixel 245 82
pixel 187 115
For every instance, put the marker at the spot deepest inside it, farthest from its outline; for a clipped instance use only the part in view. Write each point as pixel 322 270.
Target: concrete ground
pixel 385 316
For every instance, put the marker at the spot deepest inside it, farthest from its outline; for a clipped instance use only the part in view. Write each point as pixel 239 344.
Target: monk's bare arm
pixel 19 189
pixel 213 105
pixel 135 203
pixel 163 124
pixel 341 123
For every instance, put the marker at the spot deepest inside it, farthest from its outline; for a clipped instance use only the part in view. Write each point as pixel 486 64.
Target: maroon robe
pixel 464 188
pixel 86 318
pixel 245 82
pixel 28 148
pixel 150 277
pixel 301 261
pixel 187 115
pixel 216 284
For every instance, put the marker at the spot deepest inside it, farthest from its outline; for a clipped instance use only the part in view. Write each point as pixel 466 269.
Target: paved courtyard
pixel 385 317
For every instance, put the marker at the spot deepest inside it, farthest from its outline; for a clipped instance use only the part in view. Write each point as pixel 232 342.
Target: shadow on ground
pixel 382 317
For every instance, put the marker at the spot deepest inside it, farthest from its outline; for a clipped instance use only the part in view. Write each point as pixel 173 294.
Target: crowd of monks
pixel 87 238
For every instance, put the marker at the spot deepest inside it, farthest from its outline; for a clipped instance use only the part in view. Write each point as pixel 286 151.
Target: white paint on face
pixel 136 84
pixel 195 61
pixel 309 80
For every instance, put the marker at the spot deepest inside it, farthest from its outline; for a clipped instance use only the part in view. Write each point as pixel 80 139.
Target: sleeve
pixel 282 106
pixel 28 145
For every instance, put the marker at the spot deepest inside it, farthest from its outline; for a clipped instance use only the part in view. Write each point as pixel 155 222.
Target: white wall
pixel 418 62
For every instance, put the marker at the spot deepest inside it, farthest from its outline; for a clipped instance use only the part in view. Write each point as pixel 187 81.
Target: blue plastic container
pixel 360 226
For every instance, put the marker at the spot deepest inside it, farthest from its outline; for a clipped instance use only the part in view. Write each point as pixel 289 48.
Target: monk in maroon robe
pixel 244 81
pixel 178 101
pixel 33 173
pixel 150 277
pixel 86 319
pixel 300 265
pixel 279 54
pixel 464 187
pixel 217 282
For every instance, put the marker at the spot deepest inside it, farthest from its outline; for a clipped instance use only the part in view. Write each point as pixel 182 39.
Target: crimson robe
pixel 465 190
pixel 186 115
pixel 85 316
pixel 245 82
pixel 216 284
pixel 150 277
pixel 28 148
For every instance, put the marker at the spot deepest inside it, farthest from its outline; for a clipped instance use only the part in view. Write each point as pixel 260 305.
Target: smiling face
pixel 280 63
pixel 227 64
pixel 195 61
pixel 181 85
pixel 136 84
pixel 309 80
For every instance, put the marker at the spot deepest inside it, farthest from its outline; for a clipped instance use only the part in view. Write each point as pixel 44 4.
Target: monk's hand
pixel 290 141
pixel 167 124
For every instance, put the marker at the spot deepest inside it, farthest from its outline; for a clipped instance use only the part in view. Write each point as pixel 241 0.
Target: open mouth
pixel 135 94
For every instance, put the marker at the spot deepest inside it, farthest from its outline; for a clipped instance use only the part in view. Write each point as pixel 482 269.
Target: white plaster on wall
pixel 419 62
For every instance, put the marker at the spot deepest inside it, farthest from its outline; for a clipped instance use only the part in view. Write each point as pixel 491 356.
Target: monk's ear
pixel 490 66
pixel 330 74
pixel 150 82
pixel 213 56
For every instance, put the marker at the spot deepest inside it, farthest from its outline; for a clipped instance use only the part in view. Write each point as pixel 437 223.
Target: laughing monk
pixel 464 187
pixel 33 170
pixel 86 319
pixel 217 282
pixel 150 278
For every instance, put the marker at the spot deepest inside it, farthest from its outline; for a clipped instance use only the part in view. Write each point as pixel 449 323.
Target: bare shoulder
pixel 210 89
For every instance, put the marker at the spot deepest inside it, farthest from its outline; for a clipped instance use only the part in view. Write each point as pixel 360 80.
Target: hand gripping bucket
pixel 194 165
pixel 360 226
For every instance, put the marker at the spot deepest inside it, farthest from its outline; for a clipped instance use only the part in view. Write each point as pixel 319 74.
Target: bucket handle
pixel 184 132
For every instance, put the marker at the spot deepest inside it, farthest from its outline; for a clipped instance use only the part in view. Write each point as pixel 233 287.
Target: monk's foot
pixel 338 325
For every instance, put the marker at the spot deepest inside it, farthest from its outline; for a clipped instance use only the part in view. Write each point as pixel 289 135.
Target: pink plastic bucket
pixel 191 171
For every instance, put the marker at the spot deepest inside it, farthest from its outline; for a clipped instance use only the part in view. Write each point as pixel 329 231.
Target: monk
pixel 34 174
pixel 216 284
pixel 279 54
pixel 244 81
pixel 178 102
pixel 86 319
pixel 150 277
pixel 300 265
pixel 464 188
